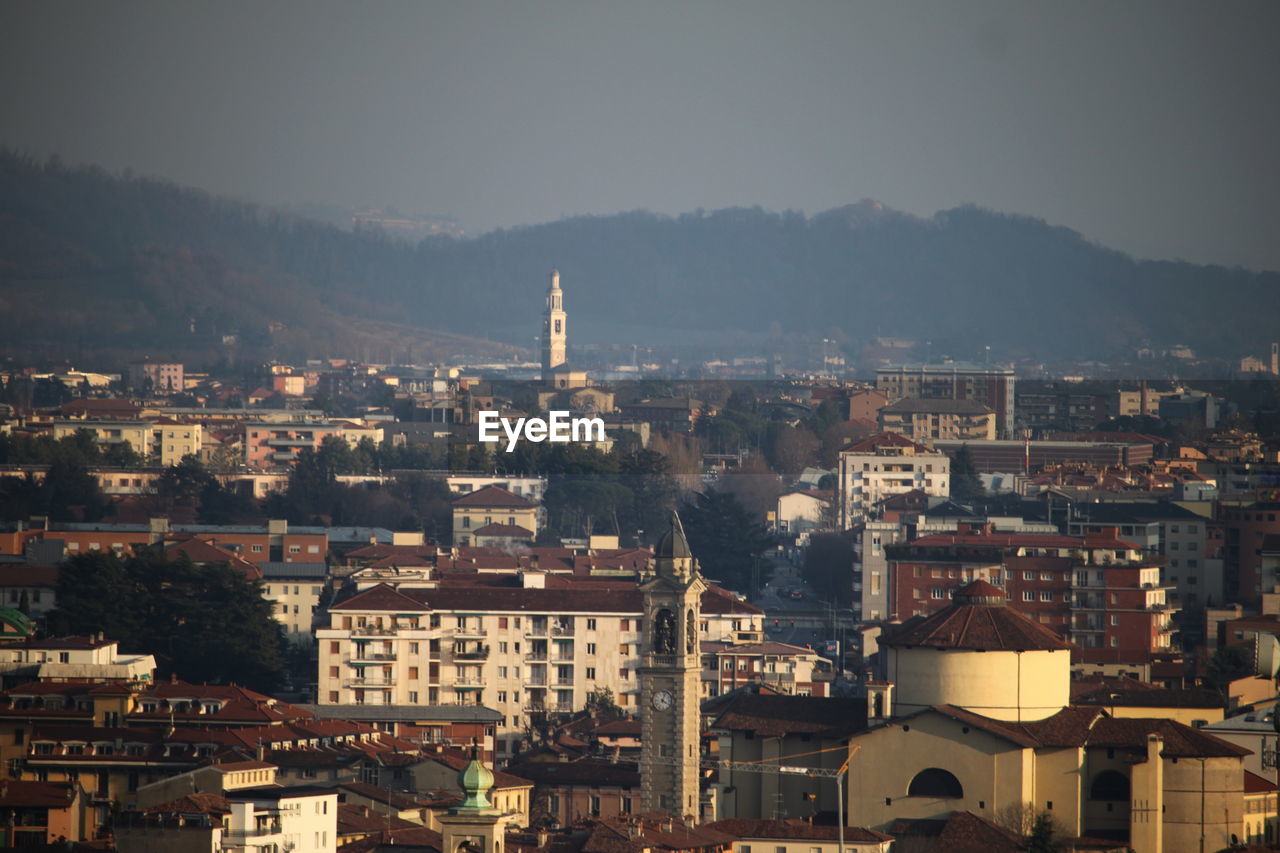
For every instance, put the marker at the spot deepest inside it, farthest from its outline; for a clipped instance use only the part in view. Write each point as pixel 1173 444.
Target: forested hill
pixel 116 260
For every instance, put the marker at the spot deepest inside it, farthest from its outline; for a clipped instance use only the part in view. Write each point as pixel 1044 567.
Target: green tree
pixel 724 538
pixel 1227 664
pixel 203 623
pixel 1043 837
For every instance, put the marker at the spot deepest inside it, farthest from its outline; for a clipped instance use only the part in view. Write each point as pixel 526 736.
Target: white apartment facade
pixel 521 650
pixel 884 465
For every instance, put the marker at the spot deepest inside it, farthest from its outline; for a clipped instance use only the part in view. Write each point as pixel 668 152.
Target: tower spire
pixel 554 329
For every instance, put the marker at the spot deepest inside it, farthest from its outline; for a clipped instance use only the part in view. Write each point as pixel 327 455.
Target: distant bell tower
pixel 554 332
pixel 670 680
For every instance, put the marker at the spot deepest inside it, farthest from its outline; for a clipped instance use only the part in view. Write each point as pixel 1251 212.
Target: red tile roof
pixel 977 619
pixel 492 496
pixel 381 597
pixel 747 828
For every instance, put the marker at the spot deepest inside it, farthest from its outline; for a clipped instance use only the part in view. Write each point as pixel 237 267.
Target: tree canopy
pixel 203 623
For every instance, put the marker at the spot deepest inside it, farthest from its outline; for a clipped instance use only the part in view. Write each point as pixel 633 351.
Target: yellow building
pixel 491 505
pixel 928 419
pixel 160 441
pixel 980 722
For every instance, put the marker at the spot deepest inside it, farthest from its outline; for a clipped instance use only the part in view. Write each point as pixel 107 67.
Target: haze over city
pixel 1148 127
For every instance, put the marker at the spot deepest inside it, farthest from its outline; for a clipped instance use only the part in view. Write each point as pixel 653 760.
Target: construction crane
pixel 788 769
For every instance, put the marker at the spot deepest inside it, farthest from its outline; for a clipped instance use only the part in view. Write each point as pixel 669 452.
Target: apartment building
pixel 992 386
pixel 1098 590
pixel 270 445
pixel 160 440
pixel 926 420
pixel 883 465
pixel 525 644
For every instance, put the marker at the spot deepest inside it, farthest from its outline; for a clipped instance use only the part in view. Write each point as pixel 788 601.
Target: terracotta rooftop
pixel 774 716
pixel 381 597
pixel 977 620
pixel 492 496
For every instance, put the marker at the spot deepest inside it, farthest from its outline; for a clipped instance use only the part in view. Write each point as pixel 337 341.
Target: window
pixel 591 624
pixel 937 593
pixel 295 549
pixel 1028 595
pixel 1046 576
pixel 413 697
pixel 591 672
pixel 1046 596
pixel 1115 620
pixel 1028 576
pixel 591 648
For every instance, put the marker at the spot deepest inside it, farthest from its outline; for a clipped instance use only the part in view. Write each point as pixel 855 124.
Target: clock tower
pixel 671 680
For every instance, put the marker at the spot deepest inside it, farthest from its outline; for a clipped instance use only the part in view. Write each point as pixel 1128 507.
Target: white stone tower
pixel 554 332
pixel 670 680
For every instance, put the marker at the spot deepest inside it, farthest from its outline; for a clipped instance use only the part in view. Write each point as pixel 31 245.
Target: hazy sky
pixel 1153 127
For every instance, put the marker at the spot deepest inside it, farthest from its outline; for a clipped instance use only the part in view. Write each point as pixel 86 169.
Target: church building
pixel 975 716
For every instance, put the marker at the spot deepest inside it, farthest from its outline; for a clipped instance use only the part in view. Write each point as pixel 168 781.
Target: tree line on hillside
pixel 126 253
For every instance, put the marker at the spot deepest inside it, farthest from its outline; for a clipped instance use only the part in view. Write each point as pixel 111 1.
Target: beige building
pixel 163 440
pixel 884 465
pixel 929 419
pixel 488 506
pixel 524 644
pixel 987 725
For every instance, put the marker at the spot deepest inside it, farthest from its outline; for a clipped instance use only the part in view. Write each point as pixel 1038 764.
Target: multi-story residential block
pixel 1166 529
pixel 788 669
pixel 1244 529
pixel 269 445
pixel 524 644
pixel 992 386
pixel 1100 591
pixel 156 377
pixel 488 506
pixel 926 420
pixel 294 589
pixel 161 440
pixel 883 465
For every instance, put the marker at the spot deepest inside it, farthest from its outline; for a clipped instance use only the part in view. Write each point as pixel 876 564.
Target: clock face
pixel 662 700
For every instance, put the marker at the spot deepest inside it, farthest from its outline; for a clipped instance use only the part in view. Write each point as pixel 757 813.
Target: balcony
pixel 471 632
pixel 380 657
pixel 562 631
pixel 562 682
pixel 283 457
pixel 290 442
pixel 466 684
pixel 536 657
pixel 372 631
pixel 480 653
pixel 371 683
pixel 535 680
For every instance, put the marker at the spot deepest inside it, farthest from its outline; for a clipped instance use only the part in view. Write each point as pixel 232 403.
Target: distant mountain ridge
pixel 113 261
